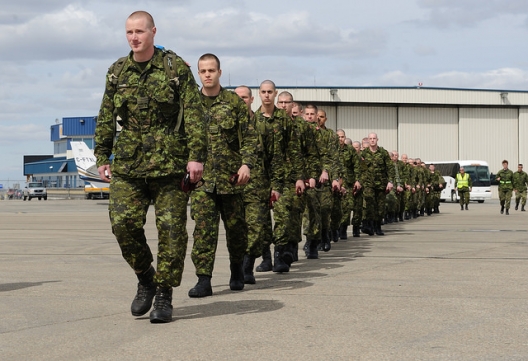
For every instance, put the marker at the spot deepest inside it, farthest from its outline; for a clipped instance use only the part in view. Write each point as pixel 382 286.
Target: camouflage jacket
pixel 309 149
pixel 328 147
pixel 148 103
pixel 268 170
pixel 520 179
pixel 348 157
pixel 376 168
pixel 232 142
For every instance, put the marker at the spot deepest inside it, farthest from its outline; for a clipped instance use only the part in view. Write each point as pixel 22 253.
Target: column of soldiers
pixel 180 142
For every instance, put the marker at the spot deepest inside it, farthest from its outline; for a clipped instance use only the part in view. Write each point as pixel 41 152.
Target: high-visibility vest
pixel 462 181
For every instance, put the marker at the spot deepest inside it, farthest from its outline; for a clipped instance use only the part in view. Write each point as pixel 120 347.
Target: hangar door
pixel 491 135
pixel 358 122
pixel 428 133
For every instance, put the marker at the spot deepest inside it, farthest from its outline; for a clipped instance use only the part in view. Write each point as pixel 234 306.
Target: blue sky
pixel 56 52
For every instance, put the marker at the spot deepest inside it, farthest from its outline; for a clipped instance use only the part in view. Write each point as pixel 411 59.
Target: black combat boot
pixel 249 263
pixel 401 216
pixel 312 252
pixel 162 312
pixel 377 227
pixel 202 288
pixel 236 282
pixel 522 209
pixel 325 243
pixel 343 231
pixel 461 207
pixel 145 293
pixel 516 205
pixel 265 265
pixel 367 228
pixel 436 209
pixel 502 208
pixel 293 248
pixel 466 207
pixel 279 265
pixel 355 231
pixel 507 211
pixel 335 235
pixel 407 215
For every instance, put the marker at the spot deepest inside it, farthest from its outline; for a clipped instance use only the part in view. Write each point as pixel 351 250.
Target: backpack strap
pixel 169 58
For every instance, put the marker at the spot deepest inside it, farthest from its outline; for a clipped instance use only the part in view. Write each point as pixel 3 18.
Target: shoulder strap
pixel 118 67
pixel 170 57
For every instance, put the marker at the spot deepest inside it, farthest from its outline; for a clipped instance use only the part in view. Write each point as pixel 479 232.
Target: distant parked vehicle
pixel 35 190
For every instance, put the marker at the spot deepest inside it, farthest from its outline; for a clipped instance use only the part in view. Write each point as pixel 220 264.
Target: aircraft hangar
pixel 433 124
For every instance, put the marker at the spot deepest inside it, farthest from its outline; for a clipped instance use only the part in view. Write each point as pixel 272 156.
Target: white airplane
pixel 87 169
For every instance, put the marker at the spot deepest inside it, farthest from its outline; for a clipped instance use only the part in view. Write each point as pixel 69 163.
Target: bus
pixel 478 170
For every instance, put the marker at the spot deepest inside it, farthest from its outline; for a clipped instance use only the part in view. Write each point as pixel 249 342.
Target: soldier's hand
pixel 312 182
pixel 389 187
pixel 299 187
pixel 336 186
pixel 399 189
pixel 324 177
pixel 357 185
pixel 243 175
pixel 195 170
pixel 274 196
pixel 105 173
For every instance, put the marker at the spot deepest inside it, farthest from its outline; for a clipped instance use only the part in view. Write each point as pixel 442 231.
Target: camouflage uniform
pixel 267 174
pixel 520 179
pixel 288 209
pixel 319 200
pixel 232 142
pixel 394 197
pixel 409 193
pixel 404 179
pixel 334 198
pixel 150 158
pixel 375 172
pixel 505 187
pixel 348 158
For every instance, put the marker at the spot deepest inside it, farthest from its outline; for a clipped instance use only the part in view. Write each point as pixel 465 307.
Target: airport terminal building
pixel 434 124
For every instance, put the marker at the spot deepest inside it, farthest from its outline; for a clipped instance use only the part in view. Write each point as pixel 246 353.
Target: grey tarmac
pixel 452 286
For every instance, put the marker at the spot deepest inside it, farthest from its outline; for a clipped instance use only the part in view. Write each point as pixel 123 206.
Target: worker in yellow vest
pixel 463 185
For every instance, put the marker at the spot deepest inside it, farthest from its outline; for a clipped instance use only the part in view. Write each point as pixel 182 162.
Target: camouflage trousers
pixel 505 196
pixel 392 202
pixel 337 211
pixel 129 202
pixel 347 206
pixel 206 210
pixel 318 211
pixel 357 208
pixel 258 221
pixel 409 201
pixel 287 214
pixel 373 204
pixel 464 196
pixel 432 199
pixel 520 196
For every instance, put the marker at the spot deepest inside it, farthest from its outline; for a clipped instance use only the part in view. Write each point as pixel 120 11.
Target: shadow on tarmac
pixel 6 287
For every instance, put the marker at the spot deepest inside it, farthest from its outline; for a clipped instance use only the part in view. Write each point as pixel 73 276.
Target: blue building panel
pixel 78 126
pixel 55 132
